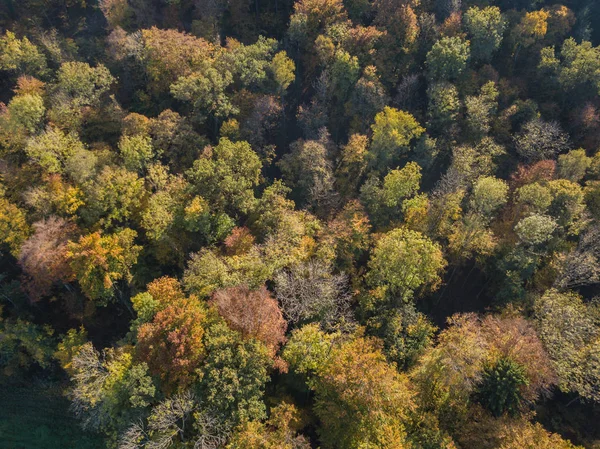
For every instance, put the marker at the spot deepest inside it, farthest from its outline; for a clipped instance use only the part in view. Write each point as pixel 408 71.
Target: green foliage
pixel 535 229
pixel 404 261
pixel 82 84
pixel 23 346
pixel 489 194
pixel 485 27
pixel 226 174
pixel 114 196
pixel 393 131
pixel 500 387
pixel 234 374
pixel 27 110
pixel 447 59
pixel 53 148
pixel 21 56
pixel 400 184
pixel 136 151
pixel 570 334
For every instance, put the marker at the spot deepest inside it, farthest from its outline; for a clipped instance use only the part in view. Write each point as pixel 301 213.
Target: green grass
pixel 38 418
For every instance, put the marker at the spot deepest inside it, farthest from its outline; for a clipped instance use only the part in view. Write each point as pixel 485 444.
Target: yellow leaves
pixel 533 26
pixel 283 70
pixel 14 229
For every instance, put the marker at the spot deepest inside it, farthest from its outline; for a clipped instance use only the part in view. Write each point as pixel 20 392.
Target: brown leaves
pixel 43 256
pixel 253 313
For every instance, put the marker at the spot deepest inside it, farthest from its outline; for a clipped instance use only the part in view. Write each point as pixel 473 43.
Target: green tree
pixel 136 151
pixel 234 374
pixel 443 107
pixel 27 110
pixel 111 390
pixel 82 84
pixel 499 391
pixel 447 59
pixel 53 148
pixel 401 183
pixel 114 196
pixel 535 229
pixel 393 132
pixel 403 261
pixel 226 175
pixel 571 337
pixel 489 194
pixel 485 27
pixel 573 165
pixel 21 56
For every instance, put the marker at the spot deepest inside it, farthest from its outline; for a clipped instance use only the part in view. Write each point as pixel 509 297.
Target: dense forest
pixel 335 224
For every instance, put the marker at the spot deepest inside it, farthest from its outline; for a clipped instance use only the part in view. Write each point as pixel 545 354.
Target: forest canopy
pixel 335 224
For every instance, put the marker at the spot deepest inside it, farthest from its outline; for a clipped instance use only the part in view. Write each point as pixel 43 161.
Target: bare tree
pixel 310 291
pixel 581 266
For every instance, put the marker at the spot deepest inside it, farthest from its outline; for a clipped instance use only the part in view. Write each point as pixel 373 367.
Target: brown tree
pixel 43 256
pixel 172 344
pixel 254 313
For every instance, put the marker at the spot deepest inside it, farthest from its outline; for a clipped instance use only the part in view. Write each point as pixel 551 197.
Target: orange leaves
pixel 253 313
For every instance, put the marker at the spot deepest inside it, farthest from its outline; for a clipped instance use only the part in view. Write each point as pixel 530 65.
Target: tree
pixel 480 110
pixel 234 375
pixel 580 266
pixel 535 229
pixel 534 197
pixel 309 171
pixel 21 56
pixel 205 89
pixel 27 110
pixel 283 71
pixel 114 196
pixel 532 27
pixel 577 67
pixel 442 108
pixel 401 183
pixel 253 313
pixel 361 401
pixel 573 165
pixel 368 98
pixel 567 328
pixel 53 148
pixel 24 345
pixel 403 261
pixel 489 194
pixel 406 334
pixel 226 174
pixel 172 343
pixel 310 291
pixel 110 389
pixel 526 435
pixel 447 59
pixel 82 84
pixel 169 54
pixel 352 164
pixel 14 228
pixel 393 131
pixel 485 27
pixel 99 261
pixel 136 151
pixel 43 256
pixel 540 140
pixel 500 386
pixel 278 432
